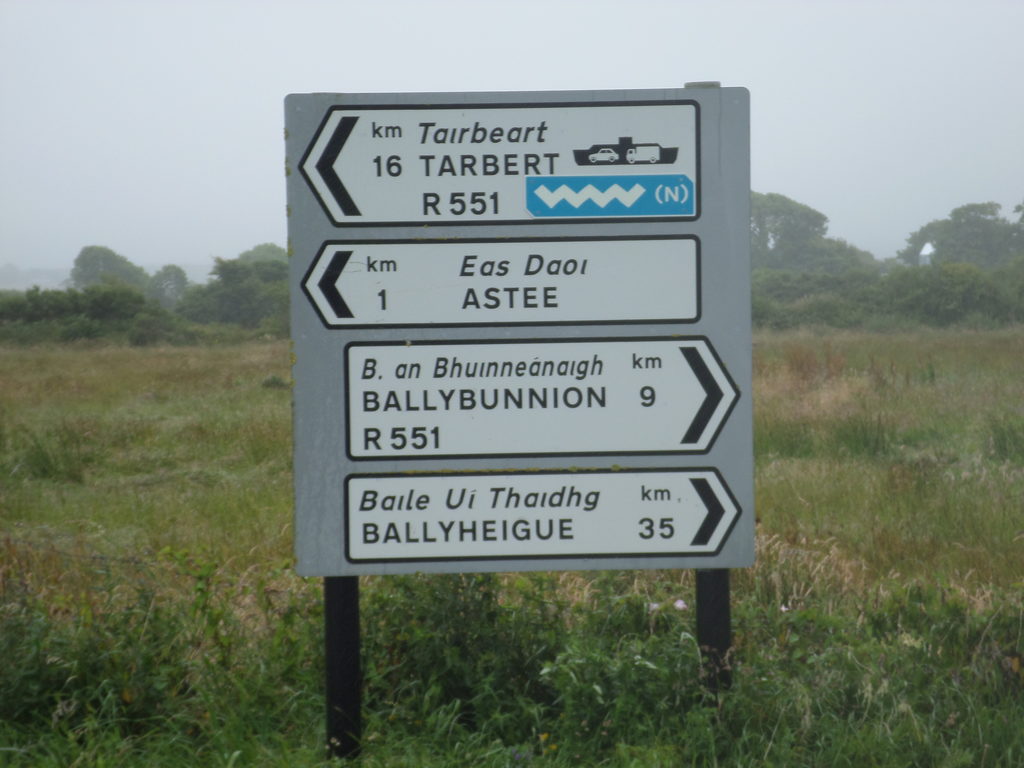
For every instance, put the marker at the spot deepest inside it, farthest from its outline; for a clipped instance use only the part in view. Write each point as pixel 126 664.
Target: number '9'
pixel 647 396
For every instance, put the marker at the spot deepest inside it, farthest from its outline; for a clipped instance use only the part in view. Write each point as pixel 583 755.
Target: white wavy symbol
pixel 589 193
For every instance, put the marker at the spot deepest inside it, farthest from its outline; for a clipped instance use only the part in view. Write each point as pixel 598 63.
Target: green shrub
pixel 1006 434
pixel 124 668
pixel 450 639
pixel 58 453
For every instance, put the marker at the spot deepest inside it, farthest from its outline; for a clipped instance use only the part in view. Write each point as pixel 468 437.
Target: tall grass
pixel 903 447
pixel 186 448
pixel 149 614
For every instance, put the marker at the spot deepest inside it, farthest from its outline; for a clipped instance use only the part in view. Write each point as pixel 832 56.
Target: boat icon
pixel 625 152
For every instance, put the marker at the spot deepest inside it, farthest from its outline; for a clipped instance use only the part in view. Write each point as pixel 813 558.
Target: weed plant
pixel 149 614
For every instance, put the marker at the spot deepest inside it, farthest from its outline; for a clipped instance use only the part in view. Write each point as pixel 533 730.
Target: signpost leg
pixel 714 631
pixel 344 673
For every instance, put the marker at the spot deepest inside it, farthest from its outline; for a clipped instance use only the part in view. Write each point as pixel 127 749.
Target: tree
pixel 39 305
pixel 247 294
pixel 99 265
pixel 167 286
pixel 971 234
pixel 1010 282
pixel 943 294
pixel 782 230
pixel 111 303
pixel 785 234
pixel 264 252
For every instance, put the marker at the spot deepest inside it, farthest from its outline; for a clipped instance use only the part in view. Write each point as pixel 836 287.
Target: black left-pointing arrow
pixel 328 284
pixel 715 511
pixel 712 395
pixel 325 166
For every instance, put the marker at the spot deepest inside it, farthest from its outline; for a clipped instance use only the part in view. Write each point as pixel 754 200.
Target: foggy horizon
pixel 156 129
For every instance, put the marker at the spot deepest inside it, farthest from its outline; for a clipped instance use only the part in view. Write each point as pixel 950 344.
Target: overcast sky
pixel 155 127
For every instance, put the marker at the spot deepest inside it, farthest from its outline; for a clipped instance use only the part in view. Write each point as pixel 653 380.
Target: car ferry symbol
pixel 625 152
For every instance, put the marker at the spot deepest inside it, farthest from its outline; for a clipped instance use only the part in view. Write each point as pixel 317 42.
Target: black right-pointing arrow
pixel 325 166
pixel 328 284
pixel 715 511
pixel 713 395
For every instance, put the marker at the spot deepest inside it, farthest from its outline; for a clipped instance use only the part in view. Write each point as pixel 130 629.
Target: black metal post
pixel 714 630
pixel 344 672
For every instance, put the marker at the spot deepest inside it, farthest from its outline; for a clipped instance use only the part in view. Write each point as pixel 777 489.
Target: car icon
pixel 604 155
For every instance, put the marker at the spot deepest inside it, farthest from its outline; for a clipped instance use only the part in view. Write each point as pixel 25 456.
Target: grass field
pixel 149 615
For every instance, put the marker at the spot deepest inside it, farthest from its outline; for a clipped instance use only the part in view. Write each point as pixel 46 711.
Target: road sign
pixel 524 281
pixel 465 163
pixel 612 335
pixel 566 396
pixel 495 516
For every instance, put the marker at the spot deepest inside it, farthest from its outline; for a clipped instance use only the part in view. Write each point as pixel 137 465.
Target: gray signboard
pixel 521 330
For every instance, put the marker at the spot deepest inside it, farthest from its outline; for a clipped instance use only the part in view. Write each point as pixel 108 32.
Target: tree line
pixel 967 268
pixel 110 297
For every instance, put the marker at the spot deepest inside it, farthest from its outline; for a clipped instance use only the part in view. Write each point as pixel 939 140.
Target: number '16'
pixel 392 165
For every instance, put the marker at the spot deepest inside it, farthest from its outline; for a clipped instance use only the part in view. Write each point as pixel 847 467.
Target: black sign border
pixel 520 473
pixel 698 181
pixel 533 454
pixel 508 324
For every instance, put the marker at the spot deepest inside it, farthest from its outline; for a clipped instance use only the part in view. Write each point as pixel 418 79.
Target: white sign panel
pixel 408 283
pixel 494 398
pixel 470 164
pixel 474 516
